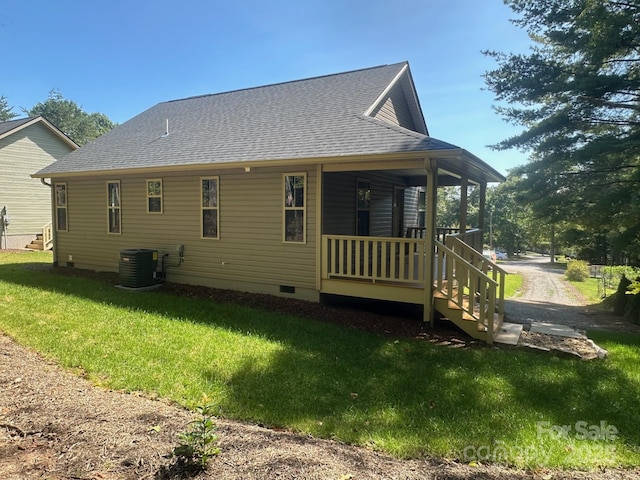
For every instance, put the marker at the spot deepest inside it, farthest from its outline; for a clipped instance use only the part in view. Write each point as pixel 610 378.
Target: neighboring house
pixel 311 187
pixel 27 145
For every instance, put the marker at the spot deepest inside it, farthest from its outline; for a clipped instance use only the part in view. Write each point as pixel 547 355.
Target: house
pixel 27 145
pixel 314 187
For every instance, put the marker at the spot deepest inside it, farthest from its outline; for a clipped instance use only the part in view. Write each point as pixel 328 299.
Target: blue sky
pixel 122 57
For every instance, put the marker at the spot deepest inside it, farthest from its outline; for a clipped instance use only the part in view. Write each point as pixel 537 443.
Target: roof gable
pixel 399 104
pixel 14 126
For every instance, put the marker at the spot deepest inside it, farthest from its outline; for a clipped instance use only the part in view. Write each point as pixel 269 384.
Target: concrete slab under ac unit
pixel 555 329
pixel 509 333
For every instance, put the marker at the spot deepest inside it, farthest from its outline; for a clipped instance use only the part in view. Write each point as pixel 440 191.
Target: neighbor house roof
pixel 12 126
pixel 316 118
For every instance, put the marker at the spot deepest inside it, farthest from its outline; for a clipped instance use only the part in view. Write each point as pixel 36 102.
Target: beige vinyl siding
pixel 395 109
pixel 28 201
pixel 250 252
pixel 340 202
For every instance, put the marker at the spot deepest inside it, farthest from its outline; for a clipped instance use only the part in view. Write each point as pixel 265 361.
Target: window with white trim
pixel 113 207
pixel 154 195
pixel 61 207
pixel 209 202
pixel 294 224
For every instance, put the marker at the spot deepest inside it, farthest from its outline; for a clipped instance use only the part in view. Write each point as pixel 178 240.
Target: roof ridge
pixel 257 87
pixel 16 120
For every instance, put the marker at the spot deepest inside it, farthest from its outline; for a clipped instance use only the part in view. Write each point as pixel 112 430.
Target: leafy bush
pixel 577 271
pixel 198 445
pixel 632 310
pixel 620 303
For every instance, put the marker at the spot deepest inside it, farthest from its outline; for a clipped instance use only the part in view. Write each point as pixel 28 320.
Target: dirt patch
pixel 55 425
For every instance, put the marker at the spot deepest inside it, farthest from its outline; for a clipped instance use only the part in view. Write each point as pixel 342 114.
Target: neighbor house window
pixel 209 207
pixel 154 195
pixel 363 205
pixel 113 206
pixel 422 208
pixel 294 207
pixel 61 207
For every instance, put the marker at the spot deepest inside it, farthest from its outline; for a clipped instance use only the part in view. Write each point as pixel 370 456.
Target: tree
pixel 65 114
pixel 577 95
pixel 513 225
pixel 6 112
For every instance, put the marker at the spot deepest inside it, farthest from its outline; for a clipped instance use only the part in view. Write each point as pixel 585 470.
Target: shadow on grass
pixel 407 397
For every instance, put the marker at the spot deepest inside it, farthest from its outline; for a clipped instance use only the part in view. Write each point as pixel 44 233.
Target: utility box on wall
pixel 138 267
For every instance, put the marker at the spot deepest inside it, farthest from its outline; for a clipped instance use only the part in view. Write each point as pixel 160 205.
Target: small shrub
pixel 577 271
pixel 632 310
pixel 198 445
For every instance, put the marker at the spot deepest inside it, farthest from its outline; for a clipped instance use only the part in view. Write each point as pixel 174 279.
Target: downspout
pixel 54 232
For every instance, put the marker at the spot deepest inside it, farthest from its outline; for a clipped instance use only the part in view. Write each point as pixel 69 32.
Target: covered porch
pixel 380 240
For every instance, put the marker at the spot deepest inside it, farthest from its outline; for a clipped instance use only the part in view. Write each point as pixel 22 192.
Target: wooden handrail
pixel 470 274
pixel 47 236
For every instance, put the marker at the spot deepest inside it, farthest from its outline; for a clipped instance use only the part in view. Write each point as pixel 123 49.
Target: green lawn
pixel 406 397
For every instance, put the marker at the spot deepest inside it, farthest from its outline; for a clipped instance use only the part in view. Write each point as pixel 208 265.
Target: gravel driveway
pixel 547 297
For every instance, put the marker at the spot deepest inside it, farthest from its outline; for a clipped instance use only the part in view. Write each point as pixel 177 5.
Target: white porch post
pixel 482 207
pixel 464 204
pixel 431 167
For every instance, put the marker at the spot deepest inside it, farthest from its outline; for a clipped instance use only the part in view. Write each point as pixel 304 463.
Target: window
pixel 113 206
pixel 61 207
pixel 422 208
pixel 363 208
pixel 154 195
pixel 294 207
pixel 209 206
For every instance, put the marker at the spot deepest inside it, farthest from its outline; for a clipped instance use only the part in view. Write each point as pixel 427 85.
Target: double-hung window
pixel 113 206
pixel 154 195
pixel 61 207
pixel 294 225
pixel 209 202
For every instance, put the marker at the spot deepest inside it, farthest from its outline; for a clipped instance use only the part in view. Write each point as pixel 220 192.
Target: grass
pixel 406 397
pixel 592 289
pixel 512 285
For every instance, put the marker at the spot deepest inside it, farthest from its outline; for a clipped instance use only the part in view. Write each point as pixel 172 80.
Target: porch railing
pixel 472 237
pixel 47 236
pixel 473 283
pixel 374 259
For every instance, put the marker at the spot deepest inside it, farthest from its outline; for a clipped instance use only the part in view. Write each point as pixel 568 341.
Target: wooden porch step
pixel 464 320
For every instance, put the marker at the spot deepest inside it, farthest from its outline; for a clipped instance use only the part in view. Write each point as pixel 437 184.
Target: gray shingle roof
pixel 13 124
pixel 317 117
